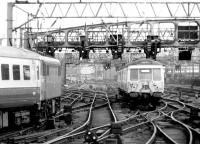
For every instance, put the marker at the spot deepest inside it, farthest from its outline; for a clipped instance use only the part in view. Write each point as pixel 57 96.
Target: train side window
pixel 5 71
pixel 44 69
pixel 59 71
pixel 16 72
pixel 47 70
pixel 26 70
pixel 38 74
pixel 157 74
pixel 133 74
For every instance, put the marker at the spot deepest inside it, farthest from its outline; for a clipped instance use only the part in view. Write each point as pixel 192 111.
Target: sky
pixel 19 18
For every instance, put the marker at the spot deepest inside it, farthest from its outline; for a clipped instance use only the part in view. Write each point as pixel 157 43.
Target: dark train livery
pixel 141 80
pixel 29 83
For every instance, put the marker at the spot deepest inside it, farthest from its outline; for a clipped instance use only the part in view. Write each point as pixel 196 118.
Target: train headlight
pixel 155 86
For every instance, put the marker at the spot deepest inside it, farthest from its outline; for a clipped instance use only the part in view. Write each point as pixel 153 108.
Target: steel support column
pixel 9 23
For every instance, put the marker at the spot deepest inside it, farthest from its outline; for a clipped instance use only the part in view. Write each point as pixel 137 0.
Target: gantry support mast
pixel 9 23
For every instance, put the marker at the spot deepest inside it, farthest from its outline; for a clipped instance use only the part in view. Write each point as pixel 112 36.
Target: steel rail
pixel 185 126
pixel 191 128
pixel 169 138
pixel 152 139
pixel 190 133
pixel 105 133
pixel 113 117
pixel 60 138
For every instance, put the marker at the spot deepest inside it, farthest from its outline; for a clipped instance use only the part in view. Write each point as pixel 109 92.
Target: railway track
pixel 137 126
pixel 161 138
pixel 43 135
pixel 151 133
pixel 185 117
pixel 40 129
pixel 169 129
pixel 78 135
pixel 135 129
pixel 123 113
pixel 97 125
pixel 139 134
pixel 177 132
pixel 100 112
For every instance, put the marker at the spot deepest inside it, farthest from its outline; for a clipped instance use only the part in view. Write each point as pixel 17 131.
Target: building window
pixel 16 72
pixel 26 70
pixel 5 71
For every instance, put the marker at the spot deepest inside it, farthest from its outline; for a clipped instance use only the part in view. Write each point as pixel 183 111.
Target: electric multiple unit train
pixel 30 82
pixel 141 81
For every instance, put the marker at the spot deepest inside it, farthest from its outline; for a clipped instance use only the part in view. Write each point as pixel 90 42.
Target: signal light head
pixel 93 137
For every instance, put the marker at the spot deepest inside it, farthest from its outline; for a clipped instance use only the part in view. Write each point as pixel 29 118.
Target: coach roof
pixel 18 53
pixel 144 62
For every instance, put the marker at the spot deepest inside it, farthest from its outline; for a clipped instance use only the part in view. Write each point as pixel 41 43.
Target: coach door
pixel 43 80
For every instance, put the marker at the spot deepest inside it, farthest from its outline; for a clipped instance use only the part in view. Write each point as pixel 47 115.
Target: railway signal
pixel 185 53
pixel 90 137
pixel 118 45
pixel 50 51
pixel 151 46
pixel 83 52
pixel 107 65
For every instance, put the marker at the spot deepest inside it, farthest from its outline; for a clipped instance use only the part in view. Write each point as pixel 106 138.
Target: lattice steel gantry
pixel 167 20
pixel 139 10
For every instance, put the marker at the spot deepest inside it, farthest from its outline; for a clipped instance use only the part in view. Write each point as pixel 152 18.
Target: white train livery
pixel 29 82
pixel 142 79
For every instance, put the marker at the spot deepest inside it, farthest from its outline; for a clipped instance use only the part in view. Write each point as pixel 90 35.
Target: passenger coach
pixel 29 83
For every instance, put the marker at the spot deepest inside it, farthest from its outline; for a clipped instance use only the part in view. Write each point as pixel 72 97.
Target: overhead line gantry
pixel 141 32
